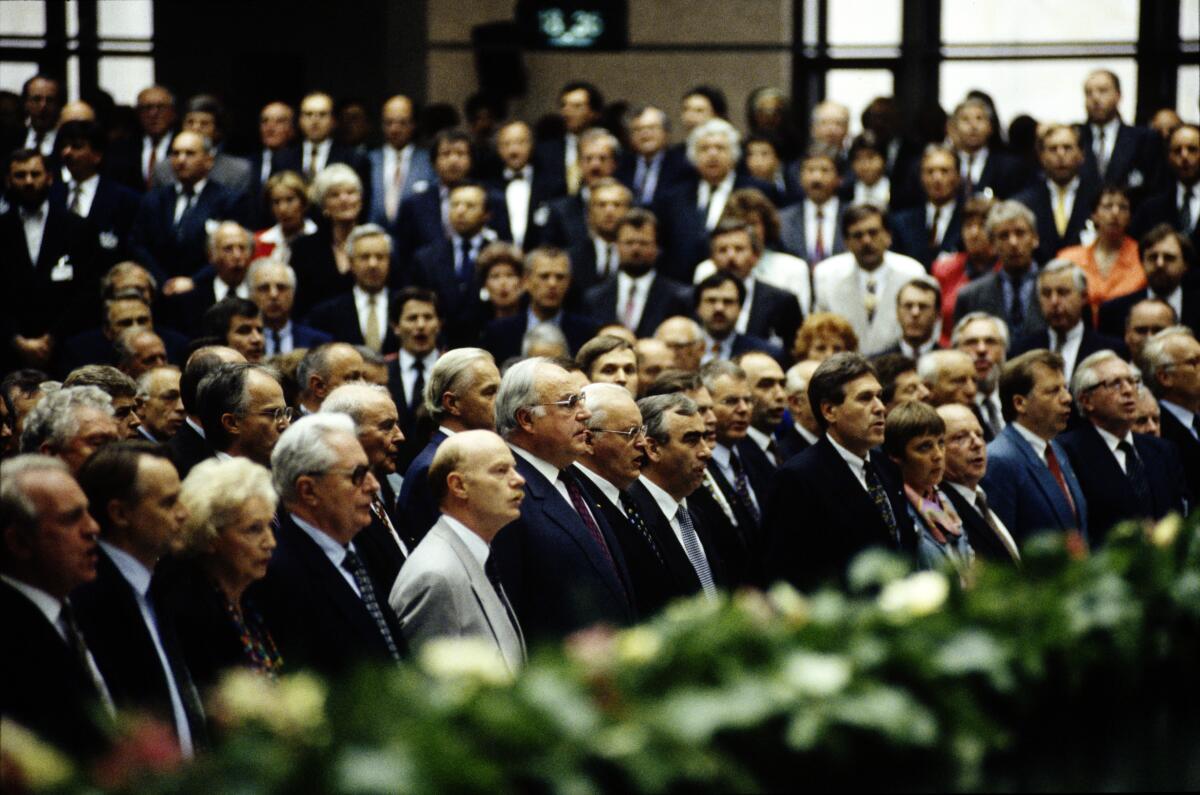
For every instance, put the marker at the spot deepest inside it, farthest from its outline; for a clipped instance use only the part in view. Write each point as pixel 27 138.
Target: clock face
pixel 570 28
pixel 574 24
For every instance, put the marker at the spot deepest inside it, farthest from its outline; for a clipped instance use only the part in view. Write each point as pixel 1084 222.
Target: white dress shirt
pixel 607 258
pixel 1038 444
pixel 606 488
pixel 391 158
pixel 714 199
pixel 181 200
pixel 972 497
pixel 322 155
pixel 408 376
pixel 972 165
pixel 162 153
pixel 87 194
pixel 943 214
pixel 34 222
pixel 516 198
pixel 362 305
pixel 670 508
pixel 138 578
pixel 724 348
pixel 857 464
pixel 478 548
pixel 1072 190
pixel 1067 346
pixel 221 289
pixel 1102 146
pixel 1113 442
pixel 46 147
pixel 829 219
pixel 282 251
pixel 763 440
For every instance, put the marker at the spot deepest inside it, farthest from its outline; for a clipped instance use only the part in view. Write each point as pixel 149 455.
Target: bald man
pixel 399 164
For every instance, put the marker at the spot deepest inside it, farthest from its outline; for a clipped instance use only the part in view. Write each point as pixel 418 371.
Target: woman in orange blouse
pixel 1111 261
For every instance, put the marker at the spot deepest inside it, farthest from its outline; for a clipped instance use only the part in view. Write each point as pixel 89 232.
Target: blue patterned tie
pixel 694 552
pixel 742 486
pixel 635 518
pixel 353 564
pixel 882 503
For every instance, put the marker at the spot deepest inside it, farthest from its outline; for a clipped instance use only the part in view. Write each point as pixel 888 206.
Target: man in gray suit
pixel 448 587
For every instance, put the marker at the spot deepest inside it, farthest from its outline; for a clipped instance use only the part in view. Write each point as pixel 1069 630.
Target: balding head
pixel 474 479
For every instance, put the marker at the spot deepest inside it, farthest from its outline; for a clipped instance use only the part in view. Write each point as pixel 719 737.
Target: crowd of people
pixel 322 403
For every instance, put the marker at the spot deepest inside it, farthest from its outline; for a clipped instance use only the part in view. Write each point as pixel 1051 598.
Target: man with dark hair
pixel 1179 202
pixel 120 388
pixel 804 431
pixel 323 369
pixel 565 221
pixel 839 496
pixel 636 295
pixel 651 168
pixel 189 446
pixel 1063 200
pixel 768 312
pixel 204 114
pixel 236 322
pixel 242 411
pixel 718 303
pixel 523 183
pixel 109 206
pixel 607 359
pixel 811 228
pixel 579 104
pixel 49 266
pixel 934 227
pixel 133 491
pixel 417 322
pixel 1167 258
pixel 766 380
pixel 1115 152
pixel 1030 483
pixel 359 316
pixel 985 171
pixel 42 97
pixel 918 304
pixel 898 376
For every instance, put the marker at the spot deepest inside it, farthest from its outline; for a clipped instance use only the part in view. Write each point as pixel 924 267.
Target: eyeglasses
pixel 279 415
pixel 1192 362
pixel 356 475
pixel 630 434
pixel 1116 383
pixel 569 403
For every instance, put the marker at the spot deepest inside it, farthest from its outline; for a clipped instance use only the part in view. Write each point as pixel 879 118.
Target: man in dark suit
pixel 812 227
pixel 691 211
pixel 984 170
pixel 595 257
pixel 934 227
pixel 636 296
pixel 133 494
pixel 547 280
pixel 1062 200
pixel 653 168
pixel 417 321
pixel 1178 204
pixel 242 411
pixel 317 147
pixel 565 220
pixel 108 206
pixel 49 265
pixel 273 287
pixel 230 246
pixel 398 165
pixel 1167 258
pixel 318 597
pixel 100 345
pixel 917 308
pixel 838 497
pixel 189 446
pixel 360 317
pixel 276 129
pixel 169 236
pixel 1123 475
pixel 768 312
pixel 1171 368
pixel 42 101
pixel 1030 482
pixel 523 183
pixel 1062 296
pixel 462 389
pixel 49 681
pixel 1115 152
pixel 1010 293
pixel 387 541
pixel 718 303
pixel 205 115
pixel 323 369
pixel 803 432
pixel 133 163
pixel 579 105
pixel 966 463
pixel 766 380
pixel 560 563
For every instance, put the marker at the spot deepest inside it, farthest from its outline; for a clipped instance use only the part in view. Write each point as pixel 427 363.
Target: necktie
pixel 639 524
pixel 1185 210
pixel 968 177
pixel 933 228
pixel 1060 210
pixel 1016 310
pixel 1135 470
pixel 489 568
pixel 276 342
pixel 79 646
pixel 265 172
pixel 1056 470
pixel 694 552
pixel 353 564
pixel 1009 544
pixel 773 453
pixel 418 389
pixel 882 503
pixel 151 163
pixel 189 194
pixel 719 498
pixel 394 188
pixel 628 316
pixel 373 338
pixel 818 251
pixel 639 180
pixel 76 195
pixel 741 484
pixel 380 511
pixel 312 160
pixel 870 300
pixel 1101 153
pixel 579 503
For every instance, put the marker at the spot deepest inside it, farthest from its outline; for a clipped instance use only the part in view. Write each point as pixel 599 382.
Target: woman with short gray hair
pixel 320 259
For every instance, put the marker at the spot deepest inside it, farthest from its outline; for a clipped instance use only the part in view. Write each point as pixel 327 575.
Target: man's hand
pixel 178 285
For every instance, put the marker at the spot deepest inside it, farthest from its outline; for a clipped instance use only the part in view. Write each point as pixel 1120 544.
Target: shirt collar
pixel 195 426
pixel 50 606
pixel 805 433
pixel 1111 440
pixel 968 493
pixel 132 569
pixel 666 503
pixel 407 359
pixel 38 212
pixel 447 431
pixel 478 548
pixel 544 467
pixel 721 454
pixel 609 490
pixel 763 440
pixel 856 463
pixel 332 549
pixel 532 319
pixel 197 189
pixel 1181 414
pixel 1036 442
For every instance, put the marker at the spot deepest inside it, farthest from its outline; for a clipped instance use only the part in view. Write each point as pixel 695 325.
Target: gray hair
pixel 599 134
pixel 16 509
pixel 543 334
pixel 315 360
pixel 304 449
pixel 518 390
pixel 601 398
pixel 259 264
pixel 54 418
pixel 366 230
pixel 446 376
pixel 123 344
pixel 1085 378
pixel 1058 265
pixel 656 408
pixel 214 493
pixel 350 399
pixel 931 363
pixel 1009 210
pixel 795 380
pixel 107 378
pixel 1154 359
pixel 971 317
pixel 335 175
pixel 211 241
pixel 146 379
pixel 718 368
pixel 715 127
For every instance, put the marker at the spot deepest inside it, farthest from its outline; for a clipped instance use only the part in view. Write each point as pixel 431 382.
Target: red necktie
pixel 1056 470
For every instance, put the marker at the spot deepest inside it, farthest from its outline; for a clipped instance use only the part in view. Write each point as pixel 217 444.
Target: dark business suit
pixel 420 221
pixel 819 517
pixel 1161 208
pixel 1136 160
pixel 232 172
pixel 111 216
pixel 774 312
pixel 791 443
pixel 338 317
pixel 1188 448
pixel 92 347
pixel 186 309
pixel 415 502
pixel 982 538
pixel 258 202
pixel 585 271
pixel 502 338
pixel 1092 342
pixel 1113 313
pixel 556 575
pixel 109 615
pixel 1024 494
pixel 986 294
pixel 542 190
pixel 123 161
pixel 1038 198
pixel 291 158
pixel 433 266
pixel 415 422
pixel 741 546
pixel 1003 175
pixel 793 233
pixel 746 343
pixel 675 575
pixel 665 298
pixel 168 250
pixel 1110 497
pixel 188 448
pixel 910 234
pixel 44 686
pixel 565 223
pixel 664 172
pixel 317 275
pixel 318 620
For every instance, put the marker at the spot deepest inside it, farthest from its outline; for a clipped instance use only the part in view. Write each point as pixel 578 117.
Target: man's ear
pixel 456 485
pixel 117 512
pixel 305 490
pixel 229 422
pixel 525 419
pixel 653 451
pixel 1018 402
pixel 829 412
pixel 450 404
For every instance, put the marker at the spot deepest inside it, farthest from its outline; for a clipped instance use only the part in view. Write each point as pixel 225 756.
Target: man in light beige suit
pixel 447 588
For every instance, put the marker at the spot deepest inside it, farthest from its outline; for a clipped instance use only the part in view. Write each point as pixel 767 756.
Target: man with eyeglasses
pixel 561 563
pixel 318 597
pixel 242 411
pixel 1170 365
pixel 1123 475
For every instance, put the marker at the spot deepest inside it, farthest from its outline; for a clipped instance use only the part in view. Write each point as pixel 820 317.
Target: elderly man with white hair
pixel 71 424
pixel 1062 297
pixel 273 288
pixel 690 211
pixel 318 598
pixel 1124 475
pixel 360 317
pixel 230 247
pixel 560 562
pixel 1170 365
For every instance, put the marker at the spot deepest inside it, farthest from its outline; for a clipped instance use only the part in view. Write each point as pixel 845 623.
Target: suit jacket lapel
pixel 340 592
pixel 1039 472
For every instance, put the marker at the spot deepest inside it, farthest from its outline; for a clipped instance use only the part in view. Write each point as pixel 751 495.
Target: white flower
pixel 38 765
pixel 790 603
pixel 819 675
pixel 291 705
pixel 638 645
pixel 916 595
pixel 1165 532
pixel 464 658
